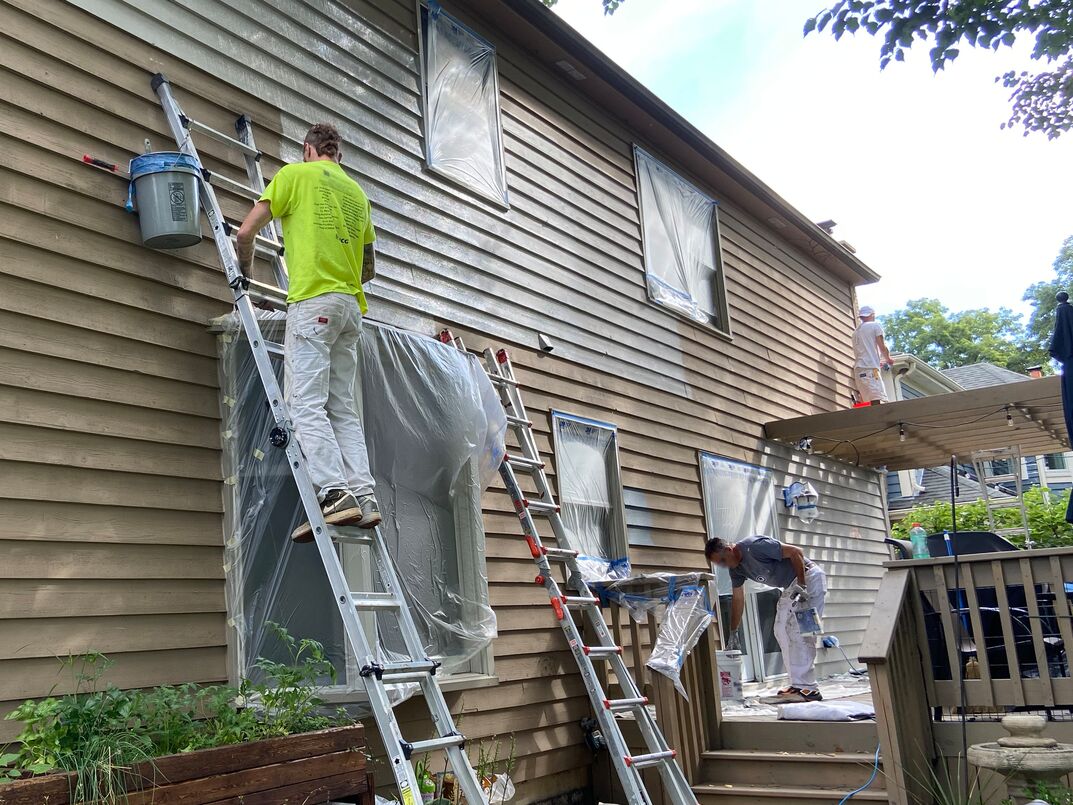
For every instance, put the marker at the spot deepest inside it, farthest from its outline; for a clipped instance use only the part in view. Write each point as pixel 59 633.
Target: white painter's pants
pixel 321 381
pixel 799 651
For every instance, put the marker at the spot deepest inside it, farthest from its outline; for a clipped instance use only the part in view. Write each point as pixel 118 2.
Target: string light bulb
pixel 901 431
pixel 1009 418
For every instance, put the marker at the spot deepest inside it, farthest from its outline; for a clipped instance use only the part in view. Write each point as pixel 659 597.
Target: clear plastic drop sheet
pixel 679 238
pixel 684 622
pixel 585 452
pixel 435 432
pixel 463 135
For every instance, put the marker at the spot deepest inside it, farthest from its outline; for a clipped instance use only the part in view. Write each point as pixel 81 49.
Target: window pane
pixel 463 138
pixel 587 467
pixel 679 242
pixel 1055 461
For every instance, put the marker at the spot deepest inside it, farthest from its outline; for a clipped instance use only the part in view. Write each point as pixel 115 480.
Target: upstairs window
pixel 590 494
pixel 680 229
pixel 463 132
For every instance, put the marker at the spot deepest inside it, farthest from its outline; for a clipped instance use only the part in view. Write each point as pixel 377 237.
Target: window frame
pixel 618 539
pixel 502 204
pixel 722 327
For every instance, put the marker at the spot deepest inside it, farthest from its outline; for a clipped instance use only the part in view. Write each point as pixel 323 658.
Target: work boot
pixel 339 507
pixel 370 512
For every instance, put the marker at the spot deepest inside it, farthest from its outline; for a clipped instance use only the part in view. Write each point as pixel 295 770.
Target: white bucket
pixel 728 664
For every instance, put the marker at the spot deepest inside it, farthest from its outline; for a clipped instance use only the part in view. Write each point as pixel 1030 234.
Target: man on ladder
pixel 328 232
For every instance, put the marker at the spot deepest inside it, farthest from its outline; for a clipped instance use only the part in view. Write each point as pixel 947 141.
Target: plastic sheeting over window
pixel 463 135
pixel 739 502
pixel 682 264
pixel 435 431
pixel 590 495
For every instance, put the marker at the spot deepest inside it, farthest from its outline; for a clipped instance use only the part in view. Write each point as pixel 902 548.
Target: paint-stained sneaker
pixel 810 695
pixel 370 512
pixel 339 507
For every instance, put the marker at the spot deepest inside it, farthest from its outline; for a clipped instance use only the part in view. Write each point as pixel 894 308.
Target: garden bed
pixel 293 770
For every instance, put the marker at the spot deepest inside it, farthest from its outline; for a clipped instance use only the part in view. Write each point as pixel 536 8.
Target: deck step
pixel 829 770
pixel 719 794
pixel 833 737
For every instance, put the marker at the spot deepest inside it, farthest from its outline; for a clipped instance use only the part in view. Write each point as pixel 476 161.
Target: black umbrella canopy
pixel 1062 351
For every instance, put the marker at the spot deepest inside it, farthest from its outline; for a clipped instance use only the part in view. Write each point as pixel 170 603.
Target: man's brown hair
pixel 324 137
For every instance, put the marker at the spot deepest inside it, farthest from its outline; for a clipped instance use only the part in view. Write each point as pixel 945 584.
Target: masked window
pixel 590 494
pixel 434 427
pixel 683 263
pixel 463 133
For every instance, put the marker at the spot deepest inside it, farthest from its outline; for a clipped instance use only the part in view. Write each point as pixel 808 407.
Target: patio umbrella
pixel 1062 351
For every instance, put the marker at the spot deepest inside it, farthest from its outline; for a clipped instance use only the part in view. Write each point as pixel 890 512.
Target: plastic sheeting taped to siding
pixel 586 459
pixel 681 603
pixel 463 137
pixel 435 430
pixel 679 241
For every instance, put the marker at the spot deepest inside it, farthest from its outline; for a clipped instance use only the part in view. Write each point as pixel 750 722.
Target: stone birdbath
pixel 1025 756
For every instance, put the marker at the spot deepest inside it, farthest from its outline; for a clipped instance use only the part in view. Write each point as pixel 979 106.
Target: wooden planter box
pixel 313 767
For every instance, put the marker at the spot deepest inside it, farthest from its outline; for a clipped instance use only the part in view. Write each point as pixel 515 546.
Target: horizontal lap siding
pixel 115 376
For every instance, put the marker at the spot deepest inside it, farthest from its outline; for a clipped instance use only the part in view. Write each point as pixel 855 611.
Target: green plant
pixel 1046 512
pixel 1051 793
pixel 103 734
pixel 948 788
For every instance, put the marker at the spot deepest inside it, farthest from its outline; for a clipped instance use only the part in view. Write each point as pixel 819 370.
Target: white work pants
pixel 321 381
pixel 799 651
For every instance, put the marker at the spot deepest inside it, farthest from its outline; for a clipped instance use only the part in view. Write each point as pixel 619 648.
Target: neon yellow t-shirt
pixel 327 221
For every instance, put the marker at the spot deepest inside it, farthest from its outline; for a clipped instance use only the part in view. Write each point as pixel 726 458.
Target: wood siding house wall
pixel 110 471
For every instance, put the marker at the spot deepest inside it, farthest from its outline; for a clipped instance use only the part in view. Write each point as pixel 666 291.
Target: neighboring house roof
pixel 922 376
pixel 936 483
pixel 980 375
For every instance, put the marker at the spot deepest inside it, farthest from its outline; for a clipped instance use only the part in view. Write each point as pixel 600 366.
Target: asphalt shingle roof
pixel 936 484
pixel 979 375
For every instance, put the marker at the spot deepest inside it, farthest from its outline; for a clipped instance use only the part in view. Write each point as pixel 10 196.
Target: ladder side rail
pixel 380 703
pixel 617 747
pixel 273 230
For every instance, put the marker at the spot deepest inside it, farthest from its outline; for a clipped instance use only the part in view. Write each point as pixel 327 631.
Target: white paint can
pixel 728 665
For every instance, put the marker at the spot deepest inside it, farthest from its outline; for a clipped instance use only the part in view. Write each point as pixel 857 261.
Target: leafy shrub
pixel 1046 519
pixel 102 733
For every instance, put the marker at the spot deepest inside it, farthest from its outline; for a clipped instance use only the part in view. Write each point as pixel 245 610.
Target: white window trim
pixel 618 538
pixel 503 204
pixel 722 306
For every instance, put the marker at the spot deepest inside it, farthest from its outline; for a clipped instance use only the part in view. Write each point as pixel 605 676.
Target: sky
pixel 913 166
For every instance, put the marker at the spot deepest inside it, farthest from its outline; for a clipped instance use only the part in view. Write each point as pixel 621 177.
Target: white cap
pixel 866 311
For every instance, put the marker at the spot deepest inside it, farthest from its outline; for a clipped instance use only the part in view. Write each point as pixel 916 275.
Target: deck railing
pixel 978 637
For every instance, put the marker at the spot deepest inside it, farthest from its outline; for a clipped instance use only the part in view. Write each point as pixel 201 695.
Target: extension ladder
pixel 983 463
pixel 376 673
pixel 627 766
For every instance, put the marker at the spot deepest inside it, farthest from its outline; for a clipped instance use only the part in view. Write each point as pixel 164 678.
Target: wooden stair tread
pixel 785 792
pixel 790 757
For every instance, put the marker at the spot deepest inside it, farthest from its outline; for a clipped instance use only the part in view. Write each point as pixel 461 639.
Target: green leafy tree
pixel 927 329
pixel 1041 296
pixel 1041 102
pixel 610 6
pixel 1046 512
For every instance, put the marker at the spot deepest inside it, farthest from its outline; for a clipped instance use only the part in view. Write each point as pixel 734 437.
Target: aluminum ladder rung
pixel 524 463
pixel 1006 532
pixel 518 422
pixel 580 601
pixel 432 745
pixel 374 601
pixel 219 180
pixel 400 671
pixel 651 759
pixel 622 705
pixel 540 506
pixel 500 380
pixel 600 652
pixel 274 348
pixel 559 554
pixel 267 246
pixel 196 126
pixel 350 535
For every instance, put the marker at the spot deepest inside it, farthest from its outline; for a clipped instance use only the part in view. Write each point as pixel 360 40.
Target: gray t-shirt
pixel 763 562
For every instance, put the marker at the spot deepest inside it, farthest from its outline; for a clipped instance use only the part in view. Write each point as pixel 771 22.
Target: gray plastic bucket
pixel 165 186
